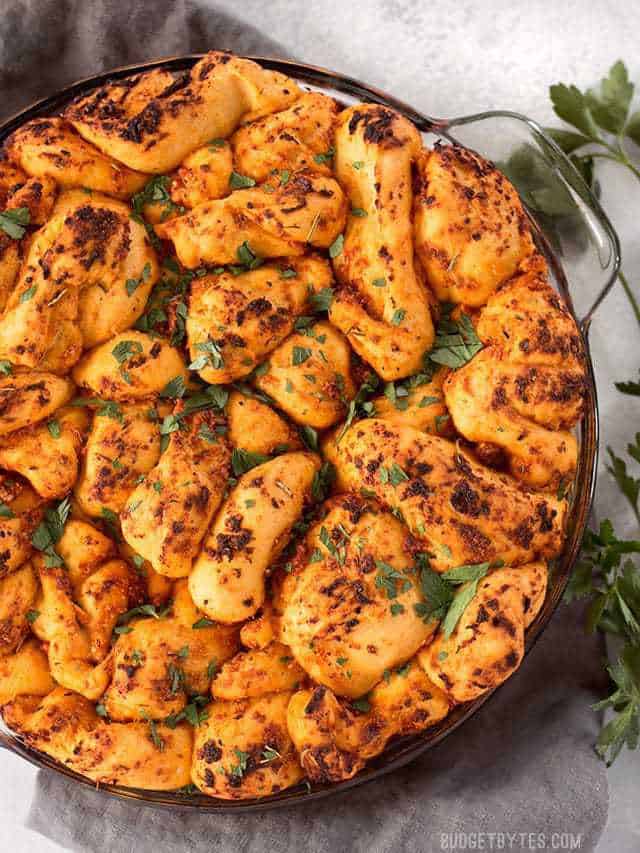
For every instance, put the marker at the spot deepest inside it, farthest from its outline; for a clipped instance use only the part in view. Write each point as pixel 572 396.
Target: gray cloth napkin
pixel 523 764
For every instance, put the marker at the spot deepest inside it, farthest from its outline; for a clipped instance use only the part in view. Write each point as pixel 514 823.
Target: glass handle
pixel 6 741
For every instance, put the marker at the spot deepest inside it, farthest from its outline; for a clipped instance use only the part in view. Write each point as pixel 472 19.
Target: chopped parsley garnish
pixel 157 741
pixel 6 511
pixel 155 191
pixel 337 246
pixel 398 316
pixel 247 259
pixel 240 182
pixel 360 406
pixel 111 520
pixel 203 622
pixel 49 532
pixel 325 157
pixel 391 580
pixel 397 394
pixel 125 350
pixel 397 475
pixel 132 284
pixel 269 754
pixel 323 481
pixel 321 300
pixel 310 437
pixel 175 388
pixel 441 602
pixel 238 770
pixel 13 222
pixel 456 341
pixel 104 408
pixel 211 356
pixel 244 460
pixel 54 428
pixel 28 294
pixel 300 355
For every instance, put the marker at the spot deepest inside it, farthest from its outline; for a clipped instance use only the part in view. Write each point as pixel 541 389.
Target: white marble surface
pixel 450 59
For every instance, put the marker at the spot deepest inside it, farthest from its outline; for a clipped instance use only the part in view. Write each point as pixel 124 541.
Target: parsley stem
pixel 624 156
pixel 618 154
pixel 630 296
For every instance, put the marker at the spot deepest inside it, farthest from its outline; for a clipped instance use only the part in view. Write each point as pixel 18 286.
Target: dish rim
pixel 403 750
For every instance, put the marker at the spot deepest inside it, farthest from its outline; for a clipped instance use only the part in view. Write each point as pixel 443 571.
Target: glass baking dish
pixel 583 253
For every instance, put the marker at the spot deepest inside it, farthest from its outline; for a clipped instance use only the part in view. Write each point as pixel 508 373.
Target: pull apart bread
pixel 286 405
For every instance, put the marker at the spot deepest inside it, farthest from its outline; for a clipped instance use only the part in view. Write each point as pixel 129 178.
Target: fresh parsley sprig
pixel 601 117
pixel 608 576
pixel 448 594
pixel 456 341
pixel 602 126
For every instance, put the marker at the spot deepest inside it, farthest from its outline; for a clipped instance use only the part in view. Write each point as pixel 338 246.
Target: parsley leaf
pixel 28 294
pixel 321 300
pixel 630 387
pixel 212 356
pixel 49 532
pixel 624 728
pixel 243 460
pixel 325 157
pixel 175 388
pixel 6 511
pixel 360 406
pixel 240 182
pixel 123 351
pixel 628 485
pixel 13 222
pixel 337 246
pixel 323 481
pixel 54 428
pixel 240 768
pixel 441 602
pixel 300 355
pixel 104 408
pixel 456 341
pixel 247 258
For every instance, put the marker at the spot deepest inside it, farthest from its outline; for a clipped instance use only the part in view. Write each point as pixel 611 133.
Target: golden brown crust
pixel 526 389
pixel 300 137
pixel 50 149
pixel 487 645
pixel 470 227
pixel 152 121
pixel 335 739
pixel 348 608
pixel 190 592
pixel 167 515
pixel 464 513
pixel 251 529
pixel 382 305
pixel 307 210
pixel 244 749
